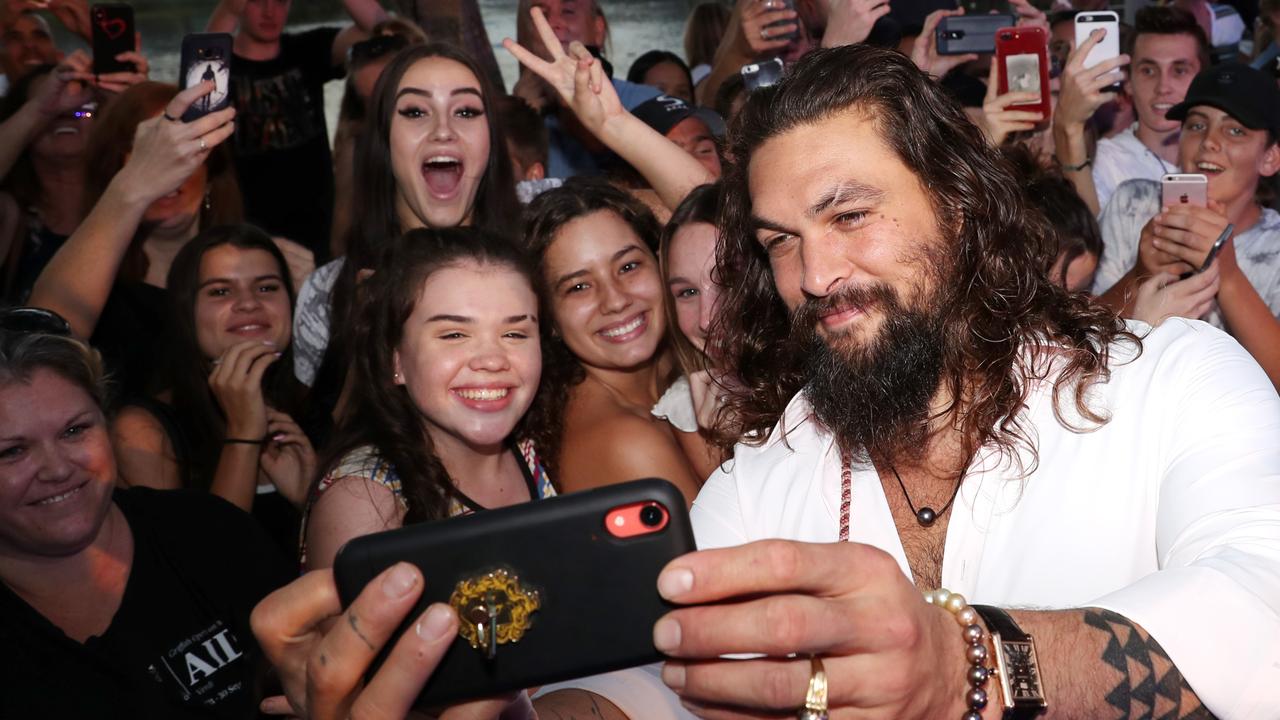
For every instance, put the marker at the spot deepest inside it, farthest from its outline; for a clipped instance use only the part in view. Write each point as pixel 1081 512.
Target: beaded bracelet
pixel 974 635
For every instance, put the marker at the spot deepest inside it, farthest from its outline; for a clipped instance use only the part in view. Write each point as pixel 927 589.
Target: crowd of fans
pixel 472 298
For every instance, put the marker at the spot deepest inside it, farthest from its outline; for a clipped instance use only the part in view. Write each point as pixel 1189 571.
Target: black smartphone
pixel 545 591
pixel 787 5
pixel 960 34
pixel 206 56
pixel 1213 252
pixel 761 74
pixel 111 26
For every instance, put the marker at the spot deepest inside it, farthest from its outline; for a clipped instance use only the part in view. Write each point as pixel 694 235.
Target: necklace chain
pixel 926 516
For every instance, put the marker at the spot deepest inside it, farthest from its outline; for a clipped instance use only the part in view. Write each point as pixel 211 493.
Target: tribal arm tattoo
pixel 1149 685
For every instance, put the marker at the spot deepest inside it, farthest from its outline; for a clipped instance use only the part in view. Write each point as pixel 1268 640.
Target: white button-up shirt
pixel 1168 514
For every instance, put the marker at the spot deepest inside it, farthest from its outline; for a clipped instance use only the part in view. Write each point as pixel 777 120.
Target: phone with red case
pixel 112 30
pixel 1022 63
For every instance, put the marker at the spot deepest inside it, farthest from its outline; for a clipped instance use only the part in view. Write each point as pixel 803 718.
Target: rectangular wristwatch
pixel 1016 664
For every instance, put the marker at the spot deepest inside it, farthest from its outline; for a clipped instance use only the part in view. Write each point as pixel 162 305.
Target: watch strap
pixel 1004 629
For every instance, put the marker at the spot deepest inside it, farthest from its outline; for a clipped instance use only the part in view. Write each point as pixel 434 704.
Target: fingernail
pixel 435 624
pixel 673 675
pixel 399 581
pixel 279 354
pixel 675 582
pixel 666 635
pixel 277 436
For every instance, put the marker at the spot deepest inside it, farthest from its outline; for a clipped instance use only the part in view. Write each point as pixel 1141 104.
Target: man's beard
pixel 875 396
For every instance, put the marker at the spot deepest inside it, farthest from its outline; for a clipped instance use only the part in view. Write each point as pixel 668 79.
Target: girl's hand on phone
pixel 850 21
pixel 998 121
pixel 287 458
pixel 925 51
pixel 236 382
pixel 1188 232
pixel 167 151
pixel 1081 90
pixel 322 653
pixel 1164 296
pixel 754 30
pixel 64 89
pixel 118 82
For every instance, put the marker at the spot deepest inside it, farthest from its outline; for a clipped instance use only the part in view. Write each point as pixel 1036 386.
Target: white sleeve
pixel 1106 175
pixel 1121 225
pixel 1214 606
pixel 311 321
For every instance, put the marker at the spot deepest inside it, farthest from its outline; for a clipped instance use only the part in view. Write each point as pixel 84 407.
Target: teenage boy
pixel 1169 48
pixel 1230 127
pixel 282 143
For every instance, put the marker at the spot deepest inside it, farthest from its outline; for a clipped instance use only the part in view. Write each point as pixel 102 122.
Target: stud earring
pixel 208 203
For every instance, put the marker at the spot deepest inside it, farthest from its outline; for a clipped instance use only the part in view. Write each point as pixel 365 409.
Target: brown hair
pixel 112 139
pixel 703 32
pixel 1005 326
pixel 1169 20
pixel 701 205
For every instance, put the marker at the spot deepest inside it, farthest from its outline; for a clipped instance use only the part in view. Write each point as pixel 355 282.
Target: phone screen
pixel 1023 72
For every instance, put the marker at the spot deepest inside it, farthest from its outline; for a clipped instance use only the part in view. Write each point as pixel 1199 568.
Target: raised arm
pixel 1083 92
pixel 165 153
pixel 365 13
pixel 225 17
pixel 65 89
pixel 580 82
pixel 746 40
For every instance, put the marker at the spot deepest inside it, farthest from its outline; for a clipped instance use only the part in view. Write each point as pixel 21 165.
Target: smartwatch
pixel 1016 665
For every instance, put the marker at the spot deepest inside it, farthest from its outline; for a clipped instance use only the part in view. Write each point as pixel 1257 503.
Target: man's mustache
pixel 804 318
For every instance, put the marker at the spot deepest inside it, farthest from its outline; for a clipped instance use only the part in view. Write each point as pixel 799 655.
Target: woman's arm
pixel 350 507
pixel 745 40
pixel 80 275
pixel 579 80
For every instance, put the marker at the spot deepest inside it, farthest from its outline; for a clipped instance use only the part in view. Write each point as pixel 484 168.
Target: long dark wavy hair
pixel 561 371
pixel 1005 325
pixel 701 205
pixel 375 222
pixel 198 414
pixel 383 413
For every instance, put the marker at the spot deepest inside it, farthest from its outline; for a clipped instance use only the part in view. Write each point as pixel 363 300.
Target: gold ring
pixel 815 700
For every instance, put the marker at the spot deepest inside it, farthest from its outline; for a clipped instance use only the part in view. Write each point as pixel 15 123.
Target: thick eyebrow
pixel 450 318
pixel 579 273
pixel 260 278
pixel 520 318
pixel 427 93
pixel 835 195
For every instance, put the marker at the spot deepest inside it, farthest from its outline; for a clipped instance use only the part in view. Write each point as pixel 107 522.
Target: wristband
pixel 975 653
pixel 241 441
pixel 1075 168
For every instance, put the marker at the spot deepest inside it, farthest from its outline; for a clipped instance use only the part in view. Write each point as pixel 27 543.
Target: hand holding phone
pixel 206 57
pixel 1022 62
pixel 961 34
pixel 761 74
pixel 1108 47
pixel 1213 251
pixel 1184 189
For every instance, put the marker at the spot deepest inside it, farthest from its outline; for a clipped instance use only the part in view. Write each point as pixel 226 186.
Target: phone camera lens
pixel 1006 36
pixel 651 515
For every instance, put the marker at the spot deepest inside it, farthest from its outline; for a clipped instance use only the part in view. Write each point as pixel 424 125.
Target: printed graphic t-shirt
pixel 282 143
pixel 179 646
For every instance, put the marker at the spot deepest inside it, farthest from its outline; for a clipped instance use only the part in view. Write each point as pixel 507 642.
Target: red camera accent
pixel 626 521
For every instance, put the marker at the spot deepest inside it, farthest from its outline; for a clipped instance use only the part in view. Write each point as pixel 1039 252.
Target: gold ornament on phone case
pixel 493 609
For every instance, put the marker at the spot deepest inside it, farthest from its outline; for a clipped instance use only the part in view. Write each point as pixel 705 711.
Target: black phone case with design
pixel 111 27
pixel 597 593
pixel 970 33
pixel 206 56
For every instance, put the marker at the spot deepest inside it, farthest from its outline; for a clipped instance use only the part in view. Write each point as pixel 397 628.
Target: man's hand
pixel 850 21
pixel 1153 260
pixel 925 51
pixel 1082 89
pixel 886 652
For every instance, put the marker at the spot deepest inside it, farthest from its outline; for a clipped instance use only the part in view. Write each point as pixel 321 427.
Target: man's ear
pixel 1269 161
pixel 536 171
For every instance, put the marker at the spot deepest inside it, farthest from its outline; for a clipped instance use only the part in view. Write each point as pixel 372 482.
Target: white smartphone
pixel 1086 23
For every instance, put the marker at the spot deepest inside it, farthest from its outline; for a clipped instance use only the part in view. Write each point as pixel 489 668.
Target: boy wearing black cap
pixel 1230 132
pixel 689 127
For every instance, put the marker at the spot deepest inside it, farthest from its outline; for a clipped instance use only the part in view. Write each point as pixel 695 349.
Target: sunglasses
pixel 33 320
pixel 375 47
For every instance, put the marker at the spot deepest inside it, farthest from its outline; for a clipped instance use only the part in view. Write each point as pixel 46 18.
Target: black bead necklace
pixel 926 516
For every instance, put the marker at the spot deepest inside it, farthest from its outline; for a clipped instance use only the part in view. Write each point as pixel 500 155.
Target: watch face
pixel 1024 675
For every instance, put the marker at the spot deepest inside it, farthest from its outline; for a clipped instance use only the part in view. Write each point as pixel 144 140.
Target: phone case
pixel 1086 23
pixel 787 5
pixel 206 56
pixel 596 595
pixel 1022 57
pixel 960 34
pixel 1184 189
pixel 761 74
pixel 111 26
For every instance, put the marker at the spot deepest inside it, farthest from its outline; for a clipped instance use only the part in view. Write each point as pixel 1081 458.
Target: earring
pixel 208 203
pixel 396 377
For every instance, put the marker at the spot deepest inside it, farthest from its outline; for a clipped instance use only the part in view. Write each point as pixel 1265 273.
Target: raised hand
pixel 576 76
pixel 1164 296
pixel 998 120
pixel 1083 89
pixel 1187 232
pixel 850 21
pixel 757 17
pixel 166 151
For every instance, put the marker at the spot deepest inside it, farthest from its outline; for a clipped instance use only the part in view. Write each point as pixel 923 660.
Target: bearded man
pixel 920 399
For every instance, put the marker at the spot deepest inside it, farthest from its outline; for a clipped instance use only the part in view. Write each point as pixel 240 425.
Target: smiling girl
pixel 449 364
